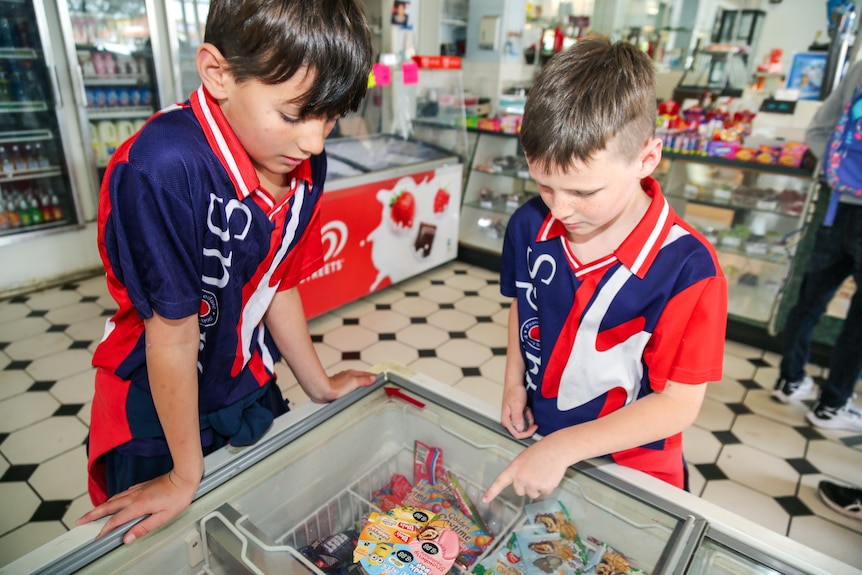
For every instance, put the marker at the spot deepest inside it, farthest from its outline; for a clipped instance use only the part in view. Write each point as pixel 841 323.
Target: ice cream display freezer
pixel 390 211
pixel 314 472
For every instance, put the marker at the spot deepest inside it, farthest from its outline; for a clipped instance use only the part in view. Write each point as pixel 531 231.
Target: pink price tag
pixel 382 74
pixel 411 72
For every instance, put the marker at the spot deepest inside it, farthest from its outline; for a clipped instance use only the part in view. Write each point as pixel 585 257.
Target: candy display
pixel 708 129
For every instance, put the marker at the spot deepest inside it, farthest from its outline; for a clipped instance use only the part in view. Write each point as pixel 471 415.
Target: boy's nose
pixel 313 135
pixel 560 209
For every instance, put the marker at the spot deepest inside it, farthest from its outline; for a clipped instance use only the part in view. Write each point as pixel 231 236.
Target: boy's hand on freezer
pixel 519 422
pixel 162 498
pixel 536 471
pixel 515 416
pixel 346 381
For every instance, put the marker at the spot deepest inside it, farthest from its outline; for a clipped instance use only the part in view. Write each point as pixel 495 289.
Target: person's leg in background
pixel 827 269
pixel 835 407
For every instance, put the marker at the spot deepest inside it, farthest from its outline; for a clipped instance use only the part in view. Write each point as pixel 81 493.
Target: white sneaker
pixel 786 390
pixel 847 417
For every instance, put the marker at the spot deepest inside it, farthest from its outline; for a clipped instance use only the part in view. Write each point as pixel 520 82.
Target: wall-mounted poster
pixel 400 15
pixel 806 74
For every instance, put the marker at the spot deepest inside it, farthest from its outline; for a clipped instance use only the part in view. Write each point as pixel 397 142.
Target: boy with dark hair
pixel 208 220
pixel 620 307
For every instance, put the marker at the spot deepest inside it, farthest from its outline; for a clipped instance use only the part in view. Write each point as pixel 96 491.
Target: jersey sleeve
pixel 306 257
pixel 687 345
pixel 153 243
pixel 508 264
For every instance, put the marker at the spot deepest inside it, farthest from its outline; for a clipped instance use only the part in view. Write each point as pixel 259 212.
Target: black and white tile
pixel 752 456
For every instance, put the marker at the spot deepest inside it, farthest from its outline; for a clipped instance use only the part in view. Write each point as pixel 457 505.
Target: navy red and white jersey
pixel 184 229
pixel 596 336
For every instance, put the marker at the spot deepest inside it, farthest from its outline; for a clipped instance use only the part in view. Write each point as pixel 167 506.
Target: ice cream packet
pixel 552 516
pixel 438 499
pixel 609 561
pixel 332 553
pixel 505 561
pixel 548 553
pixel 401 524
pixel 431 552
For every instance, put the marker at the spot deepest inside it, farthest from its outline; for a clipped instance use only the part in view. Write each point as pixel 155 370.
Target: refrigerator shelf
pixel 18 53
pixel 10 136
pixel 30 174
pixel 17 107
pixel 134 80
pixel 140 112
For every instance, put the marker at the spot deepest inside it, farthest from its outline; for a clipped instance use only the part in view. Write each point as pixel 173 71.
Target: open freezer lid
pixel 313 475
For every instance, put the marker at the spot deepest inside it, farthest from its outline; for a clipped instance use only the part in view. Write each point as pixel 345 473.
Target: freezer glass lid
pixel 382 151
pixel 279 515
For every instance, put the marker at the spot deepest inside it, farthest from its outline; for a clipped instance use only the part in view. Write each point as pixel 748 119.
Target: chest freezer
pixel 390 211
pixel 313 474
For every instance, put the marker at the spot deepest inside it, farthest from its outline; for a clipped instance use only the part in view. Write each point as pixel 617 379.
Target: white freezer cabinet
pixel 312 475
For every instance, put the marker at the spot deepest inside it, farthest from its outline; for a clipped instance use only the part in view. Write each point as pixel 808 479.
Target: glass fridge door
pixel 186 22
pixel 36 192
pixel 114 53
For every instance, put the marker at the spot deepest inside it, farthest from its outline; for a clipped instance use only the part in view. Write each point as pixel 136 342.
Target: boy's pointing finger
pixel 497 486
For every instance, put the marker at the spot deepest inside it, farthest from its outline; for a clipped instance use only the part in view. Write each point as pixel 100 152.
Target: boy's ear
pixel 650 157
pixel 212 69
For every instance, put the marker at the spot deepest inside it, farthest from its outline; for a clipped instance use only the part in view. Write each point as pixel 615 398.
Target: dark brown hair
pixel 591 94
pixel 270 40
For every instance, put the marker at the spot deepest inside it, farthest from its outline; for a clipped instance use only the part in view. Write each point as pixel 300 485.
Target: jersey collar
pixel 228 149
pixel 639 249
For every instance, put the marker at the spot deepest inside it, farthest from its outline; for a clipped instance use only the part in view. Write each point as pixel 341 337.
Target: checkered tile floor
pixel 748 454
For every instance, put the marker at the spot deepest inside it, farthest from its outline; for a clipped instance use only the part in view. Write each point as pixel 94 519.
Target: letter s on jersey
pixel 535 268
pixel 233 208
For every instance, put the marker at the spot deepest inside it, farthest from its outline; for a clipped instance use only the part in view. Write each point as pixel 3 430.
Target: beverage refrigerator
pixel 77 77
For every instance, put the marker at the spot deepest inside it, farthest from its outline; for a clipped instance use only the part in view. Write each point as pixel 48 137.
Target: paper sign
pixel 382 74
pixel 411 72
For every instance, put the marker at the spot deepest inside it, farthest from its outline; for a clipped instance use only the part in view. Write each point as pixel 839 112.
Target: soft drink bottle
pixel 5 162
pixel 57 207
pixel 19 163
pixel 6 40
pixel 22 32
pixel 41 159
pixel 45 204
pixel 31 158
pixel 5 94
pixel 34 87
pixel 11 211
pixel 23 209
pixel 35 208
pixel 17 89
pixel 5 224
